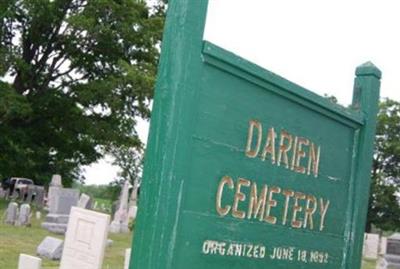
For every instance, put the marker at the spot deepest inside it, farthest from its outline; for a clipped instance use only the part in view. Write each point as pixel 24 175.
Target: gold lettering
pixel 249 152
pixel 291 152
pixel 323 209
pixel 257 206
pixel 288 194
pixel 224 181
pixel 271 203
pixel 294 154
pixel 301 154
pixel 313 160
pixel 262 200
pixel 297 208
pixel 239 197
pixel 309 211
pixel 269 146
pixel 284 148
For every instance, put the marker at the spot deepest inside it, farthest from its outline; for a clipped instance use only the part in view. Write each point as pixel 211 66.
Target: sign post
pixel 245 169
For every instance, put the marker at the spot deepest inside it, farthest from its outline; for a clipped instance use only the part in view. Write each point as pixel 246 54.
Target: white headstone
pixel 56 181
pixel 132 212
pixel 50 248
pixel 52 198
pixel 55 185
pixel 11 213
pixel 24 216
pixel 133 202
pixel 84 201
pixel 382 246
pixel 121 219
pixel 29 262
pixel 85 240
pixel 371 244
pixel 38 215
pixel 127 258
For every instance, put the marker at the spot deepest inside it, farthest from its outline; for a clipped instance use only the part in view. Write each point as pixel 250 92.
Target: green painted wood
pixel 245 169
pixel 240 67
pixel 169 138
pixel 365 99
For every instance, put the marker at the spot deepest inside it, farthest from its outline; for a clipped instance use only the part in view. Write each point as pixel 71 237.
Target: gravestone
pixel 371 246
pixel 132 212
pixel 382 246
pixel 56 181
pixel 36 195
pixel 38 215
pixel 393 244
pixel 62 201
pixel 50 248
pixel 382 264
pixel 85 201
pixel 121 219
pixel 245 169
pixel 133 202
pixel 24 216
pixel 55 186
pixel 391 260
pixel 11 213
pixel 85 240
pixel 29 262
pixel 127 258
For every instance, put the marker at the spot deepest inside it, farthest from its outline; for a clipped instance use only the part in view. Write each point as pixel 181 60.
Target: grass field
pixel 369 264
pixel 106 203
pixel 16 240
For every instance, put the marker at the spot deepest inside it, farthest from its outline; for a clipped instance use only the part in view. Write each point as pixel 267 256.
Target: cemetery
pixel 243 168
pixel 59 233
pixel 30 243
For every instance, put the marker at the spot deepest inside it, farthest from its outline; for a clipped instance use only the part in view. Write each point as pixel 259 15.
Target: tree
pixel 384 209
pixel 75 74
pixel 130 160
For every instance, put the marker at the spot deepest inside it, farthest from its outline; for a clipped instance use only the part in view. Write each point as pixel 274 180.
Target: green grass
pixel 16 240
pixel 369 264
pixel 107 204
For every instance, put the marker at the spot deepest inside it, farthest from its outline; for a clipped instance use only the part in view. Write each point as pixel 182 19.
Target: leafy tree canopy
pixel 74 75
pixel 384 209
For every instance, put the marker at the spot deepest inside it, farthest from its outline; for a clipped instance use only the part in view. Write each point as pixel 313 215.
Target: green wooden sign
pixel 245 169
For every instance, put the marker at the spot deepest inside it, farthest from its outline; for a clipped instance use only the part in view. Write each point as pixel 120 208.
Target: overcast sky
pixel 314 43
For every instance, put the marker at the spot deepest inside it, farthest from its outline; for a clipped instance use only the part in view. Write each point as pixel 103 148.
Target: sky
pixel 314 43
